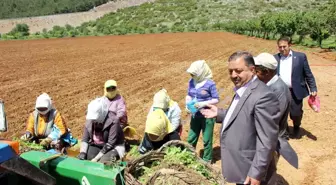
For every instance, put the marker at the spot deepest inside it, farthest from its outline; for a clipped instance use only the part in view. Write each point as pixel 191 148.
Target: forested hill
pixel 29 8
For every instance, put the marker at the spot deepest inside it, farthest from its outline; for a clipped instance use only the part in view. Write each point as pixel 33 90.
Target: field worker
pixel 266 70
pixel 46 124
pixel 115 102
pixel 203 89
pixel 158 131
pixel 103 138
pixel 171 108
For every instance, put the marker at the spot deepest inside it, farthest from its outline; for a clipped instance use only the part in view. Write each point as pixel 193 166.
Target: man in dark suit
pixel 294 70
pixel 249 132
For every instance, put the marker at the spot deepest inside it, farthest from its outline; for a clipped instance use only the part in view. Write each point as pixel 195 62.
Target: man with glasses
pixel 250 126
pixel 294 70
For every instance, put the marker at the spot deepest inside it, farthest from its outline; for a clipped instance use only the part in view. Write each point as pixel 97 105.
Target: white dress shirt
pixel 273 80
pixel 238 95
pixel 286 68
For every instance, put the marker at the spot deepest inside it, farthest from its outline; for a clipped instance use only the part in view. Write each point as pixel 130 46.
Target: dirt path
pixel 316 148
pixel 74 19
pixel 73 72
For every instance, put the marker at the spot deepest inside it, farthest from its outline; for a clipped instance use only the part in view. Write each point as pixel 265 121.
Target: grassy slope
pixel 186 15
pixel 191 16
pixel 190 13
pixel 181 16
pixel 28 8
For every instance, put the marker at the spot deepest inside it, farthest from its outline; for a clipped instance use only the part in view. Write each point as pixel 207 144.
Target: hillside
pixel 309 22
pixel 37 24
pixel 24 8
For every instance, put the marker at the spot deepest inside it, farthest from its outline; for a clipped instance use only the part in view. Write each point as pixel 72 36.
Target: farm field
pixel 73 71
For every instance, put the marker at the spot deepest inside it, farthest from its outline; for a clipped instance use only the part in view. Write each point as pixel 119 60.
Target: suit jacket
pixel 283 94
pixel 250 137
pixel 302 77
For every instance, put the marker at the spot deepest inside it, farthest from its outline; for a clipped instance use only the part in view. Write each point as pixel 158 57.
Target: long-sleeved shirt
pixel 118 106
pixel 204 92
pixel 286 68
pixel 43 122
pixel 110 132
pixel 239 93
pixel 173 114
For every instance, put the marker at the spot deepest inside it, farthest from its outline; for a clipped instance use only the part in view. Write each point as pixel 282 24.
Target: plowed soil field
pixel 74 70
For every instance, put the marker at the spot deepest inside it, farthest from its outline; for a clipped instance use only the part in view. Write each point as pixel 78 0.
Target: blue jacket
pixel 302 78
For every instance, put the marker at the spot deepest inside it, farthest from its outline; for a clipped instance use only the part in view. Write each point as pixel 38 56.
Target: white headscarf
pixel 161 99
pixel 201 70
pixel 97 110
pixel 43 101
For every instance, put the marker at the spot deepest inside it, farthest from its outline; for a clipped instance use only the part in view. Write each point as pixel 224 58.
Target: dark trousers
pixel 296 110
pixel 148 145
pixel 93 150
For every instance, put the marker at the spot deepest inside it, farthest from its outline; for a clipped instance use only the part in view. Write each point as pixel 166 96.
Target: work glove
pixel 107 147
pixel 45 142
pixel 98 156
pixel 188 111
pixel 27 136
pixel 82 156
pixel 200 104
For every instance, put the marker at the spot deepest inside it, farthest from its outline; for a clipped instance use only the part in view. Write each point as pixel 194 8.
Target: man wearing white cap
pixel 266 70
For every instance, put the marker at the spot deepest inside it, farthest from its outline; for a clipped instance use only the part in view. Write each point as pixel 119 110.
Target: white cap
pixel 267 60
pixel 97 110
pixel 43 101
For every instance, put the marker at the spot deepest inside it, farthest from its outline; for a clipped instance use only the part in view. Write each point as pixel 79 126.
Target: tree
pixel 285 23
pixel 20 29
pixel 267 24
pixel 68 27
pixel 318 26
pixel 302 26
pixel 331 16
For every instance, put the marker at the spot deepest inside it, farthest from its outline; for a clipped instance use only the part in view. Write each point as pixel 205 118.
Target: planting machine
pixel 47 168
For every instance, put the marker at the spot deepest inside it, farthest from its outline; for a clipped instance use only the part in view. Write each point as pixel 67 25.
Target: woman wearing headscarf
pixel 170 107
pixel 115 102
pixel 46 124
pixel 158 131
pixel 203 90
pixel 103 138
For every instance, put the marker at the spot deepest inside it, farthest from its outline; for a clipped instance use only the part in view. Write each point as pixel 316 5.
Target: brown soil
pixel 73 72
